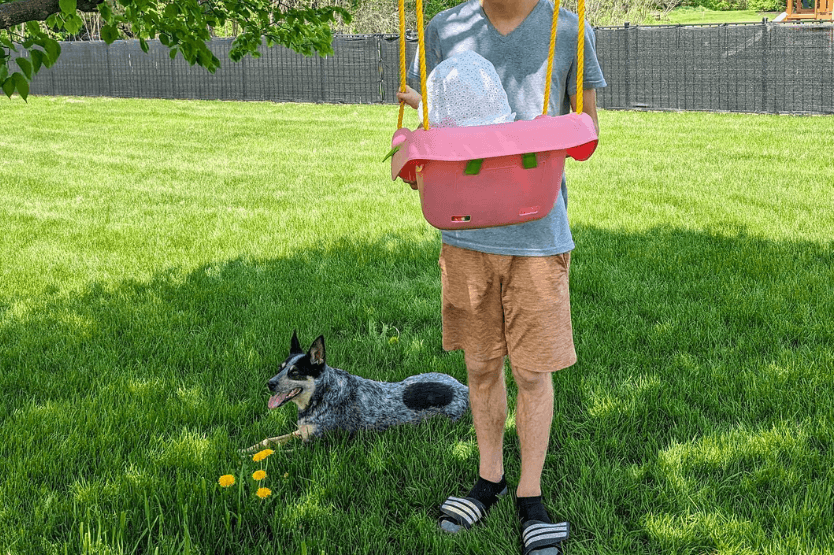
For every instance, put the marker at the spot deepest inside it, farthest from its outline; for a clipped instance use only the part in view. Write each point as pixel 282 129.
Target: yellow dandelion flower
pixel 226 480
pixel 286 475
pixel 263 492
pixel 259 475
pixel 261 455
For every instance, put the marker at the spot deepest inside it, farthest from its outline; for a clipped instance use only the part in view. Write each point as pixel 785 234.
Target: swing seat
pixel 491 175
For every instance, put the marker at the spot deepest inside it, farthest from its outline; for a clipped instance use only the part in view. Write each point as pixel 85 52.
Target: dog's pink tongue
pixel 276 400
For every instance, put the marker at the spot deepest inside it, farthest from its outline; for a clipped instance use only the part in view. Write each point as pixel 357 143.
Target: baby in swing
pixel 463 90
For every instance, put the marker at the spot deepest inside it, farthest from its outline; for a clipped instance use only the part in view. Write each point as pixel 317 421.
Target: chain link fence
pixel 766 68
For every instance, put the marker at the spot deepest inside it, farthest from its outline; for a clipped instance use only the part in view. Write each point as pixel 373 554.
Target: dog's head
pixel 296 380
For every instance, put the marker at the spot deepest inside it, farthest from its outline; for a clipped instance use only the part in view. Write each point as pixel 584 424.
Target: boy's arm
pixel 589 105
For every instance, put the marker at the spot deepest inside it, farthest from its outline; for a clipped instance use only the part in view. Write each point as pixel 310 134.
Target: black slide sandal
pixel 463 512
pixel 541 538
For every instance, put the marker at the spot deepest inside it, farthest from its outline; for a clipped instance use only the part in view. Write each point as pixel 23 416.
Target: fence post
pixel 321 78
pixel 628 100
pixel 51 80
pixel 243 63
pixel 765 55
pixel 174 92
pixel 380 69
pixel 109 70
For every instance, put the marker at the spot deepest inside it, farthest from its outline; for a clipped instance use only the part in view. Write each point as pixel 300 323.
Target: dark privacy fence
pixel 745 68
pixel 740 68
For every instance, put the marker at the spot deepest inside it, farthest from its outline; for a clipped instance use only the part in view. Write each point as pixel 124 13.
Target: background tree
pixel 28 29
pixel 380 16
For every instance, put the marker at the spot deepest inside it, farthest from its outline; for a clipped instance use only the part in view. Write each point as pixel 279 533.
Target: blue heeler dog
pixel 331 399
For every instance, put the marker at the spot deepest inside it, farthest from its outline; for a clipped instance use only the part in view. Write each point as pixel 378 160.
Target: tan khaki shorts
pixel 496 305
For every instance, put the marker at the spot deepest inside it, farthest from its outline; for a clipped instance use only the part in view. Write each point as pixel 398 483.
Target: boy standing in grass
pixel 505 290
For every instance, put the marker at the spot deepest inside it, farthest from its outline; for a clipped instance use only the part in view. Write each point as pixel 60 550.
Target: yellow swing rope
pixel 403 87
pixel 580 59
pixel 549 74
pixel 421 43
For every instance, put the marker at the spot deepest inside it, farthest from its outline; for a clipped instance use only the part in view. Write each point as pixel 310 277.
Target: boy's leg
pixel 540 341
pixel 533 418
pixel 488 401
pixel 473 322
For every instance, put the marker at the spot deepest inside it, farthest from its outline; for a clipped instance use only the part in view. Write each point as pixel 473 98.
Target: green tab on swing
pixel 529 161
pixel 473 167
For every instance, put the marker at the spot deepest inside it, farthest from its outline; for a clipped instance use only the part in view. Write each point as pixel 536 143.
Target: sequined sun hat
pixel 464 90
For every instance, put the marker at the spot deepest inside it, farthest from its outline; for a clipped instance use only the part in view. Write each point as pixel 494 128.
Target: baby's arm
pixel 410 97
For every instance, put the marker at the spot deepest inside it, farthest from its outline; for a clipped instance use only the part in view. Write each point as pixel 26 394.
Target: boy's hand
pixel 410 97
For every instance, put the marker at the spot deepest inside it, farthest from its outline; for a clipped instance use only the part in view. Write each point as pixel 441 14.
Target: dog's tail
pixel 436 393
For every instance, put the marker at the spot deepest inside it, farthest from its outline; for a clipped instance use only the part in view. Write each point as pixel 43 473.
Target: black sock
pixel 531 508
pixel 487 492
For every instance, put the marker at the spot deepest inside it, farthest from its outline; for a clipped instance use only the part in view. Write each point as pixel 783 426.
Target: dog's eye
pixel 294 374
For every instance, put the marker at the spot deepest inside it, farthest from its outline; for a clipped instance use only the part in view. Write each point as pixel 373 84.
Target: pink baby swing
pixel 491 175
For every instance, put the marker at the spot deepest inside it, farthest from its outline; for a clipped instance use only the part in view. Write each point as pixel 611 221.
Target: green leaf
pixel 73 24
pixel 37 60
pixel 392 152
pixel 171 11
pixel 33 28
pixel 22 85
pixel 68 6
pixel 4 72
pixel 143 44
pixel 204 58
pixel 105 11
pixel 53 51
pixel 109 33
pixel 8 86
pixel 5 41
pixel 25 66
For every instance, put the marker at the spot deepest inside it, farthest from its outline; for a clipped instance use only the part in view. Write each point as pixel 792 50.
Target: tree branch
pixel 21 11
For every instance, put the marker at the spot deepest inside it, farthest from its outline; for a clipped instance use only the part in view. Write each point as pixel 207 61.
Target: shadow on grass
pixel 689 406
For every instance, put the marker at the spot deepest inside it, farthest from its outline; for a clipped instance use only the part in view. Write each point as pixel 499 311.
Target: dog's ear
pixel 295 346
pixel 317 352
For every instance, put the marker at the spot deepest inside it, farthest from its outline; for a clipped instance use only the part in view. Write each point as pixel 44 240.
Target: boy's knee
pixel 484 370
pixel 526 380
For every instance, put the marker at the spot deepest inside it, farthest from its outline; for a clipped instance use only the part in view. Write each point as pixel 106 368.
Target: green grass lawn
pixel 155 257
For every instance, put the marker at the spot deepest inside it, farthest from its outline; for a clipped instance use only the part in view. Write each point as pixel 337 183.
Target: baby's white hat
pixel 465 90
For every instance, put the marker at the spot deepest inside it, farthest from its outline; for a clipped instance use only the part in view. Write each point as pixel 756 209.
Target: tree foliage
pixel 28 29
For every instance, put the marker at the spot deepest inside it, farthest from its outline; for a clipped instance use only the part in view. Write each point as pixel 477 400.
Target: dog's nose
pixel 272 384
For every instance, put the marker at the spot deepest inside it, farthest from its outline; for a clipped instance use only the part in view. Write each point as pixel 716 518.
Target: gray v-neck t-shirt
pixel 520 58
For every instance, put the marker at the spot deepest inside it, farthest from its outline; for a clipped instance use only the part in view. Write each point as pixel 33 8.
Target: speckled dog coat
pixel 331 399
